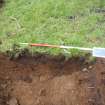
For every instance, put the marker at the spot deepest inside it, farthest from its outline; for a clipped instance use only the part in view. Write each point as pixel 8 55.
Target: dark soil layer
pixel 43 80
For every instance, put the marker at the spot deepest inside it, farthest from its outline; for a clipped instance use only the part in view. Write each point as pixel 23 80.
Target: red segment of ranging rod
pixel 44 45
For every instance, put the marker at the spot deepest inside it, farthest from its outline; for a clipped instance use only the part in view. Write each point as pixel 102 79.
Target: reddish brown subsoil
pixel 43 80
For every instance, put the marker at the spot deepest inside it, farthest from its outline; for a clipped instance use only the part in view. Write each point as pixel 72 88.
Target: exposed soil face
pixel 43 80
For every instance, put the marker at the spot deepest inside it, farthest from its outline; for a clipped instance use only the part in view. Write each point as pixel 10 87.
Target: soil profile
pixel 44 80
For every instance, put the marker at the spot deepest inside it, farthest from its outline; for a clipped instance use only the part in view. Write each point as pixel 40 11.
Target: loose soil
pixel 44 80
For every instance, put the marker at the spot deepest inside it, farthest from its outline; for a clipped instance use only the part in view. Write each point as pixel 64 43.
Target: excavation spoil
pixel 44 80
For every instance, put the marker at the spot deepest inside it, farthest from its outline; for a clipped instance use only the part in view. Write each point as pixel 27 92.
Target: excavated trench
pixel 46 80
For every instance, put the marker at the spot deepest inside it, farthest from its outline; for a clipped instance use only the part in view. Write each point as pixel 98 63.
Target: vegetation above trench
pixel 62 22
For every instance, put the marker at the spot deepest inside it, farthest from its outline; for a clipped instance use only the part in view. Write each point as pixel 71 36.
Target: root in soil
pixel 44 80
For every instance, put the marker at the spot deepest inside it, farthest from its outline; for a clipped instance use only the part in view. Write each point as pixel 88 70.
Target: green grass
pixel 49 21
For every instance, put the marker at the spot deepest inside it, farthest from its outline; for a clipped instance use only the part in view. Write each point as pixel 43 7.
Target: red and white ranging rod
pixel 96 52
pixel 56 46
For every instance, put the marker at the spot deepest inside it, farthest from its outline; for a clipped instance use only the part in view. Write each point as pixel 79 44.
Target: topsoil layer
pixel 43 80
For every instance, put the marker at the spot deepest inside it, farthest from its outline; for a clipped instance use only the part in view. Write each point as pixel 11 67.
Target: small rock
pixel 91 100
pixel 13 101
pixel 38 101
pixel 3 86
pixel 90 67
pixel 42 78
pixel 7 78
pixel 84 69
pixel 72 91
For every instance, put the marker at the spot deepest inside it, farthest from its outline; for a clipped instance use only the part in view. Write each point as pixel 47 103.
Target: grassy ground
pixel 61 22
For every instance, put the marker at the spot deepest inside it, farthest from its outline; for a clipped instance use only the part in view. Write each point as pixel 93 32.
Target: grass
pixel 61 22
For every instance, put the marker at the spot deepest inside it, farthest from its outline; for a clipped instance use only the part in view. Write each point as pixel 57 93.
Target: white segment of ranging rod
pixel 79 48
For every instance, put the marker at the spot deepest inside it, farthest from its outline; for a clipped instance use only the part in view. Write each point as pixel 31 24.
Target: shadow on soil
pixel 58 65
